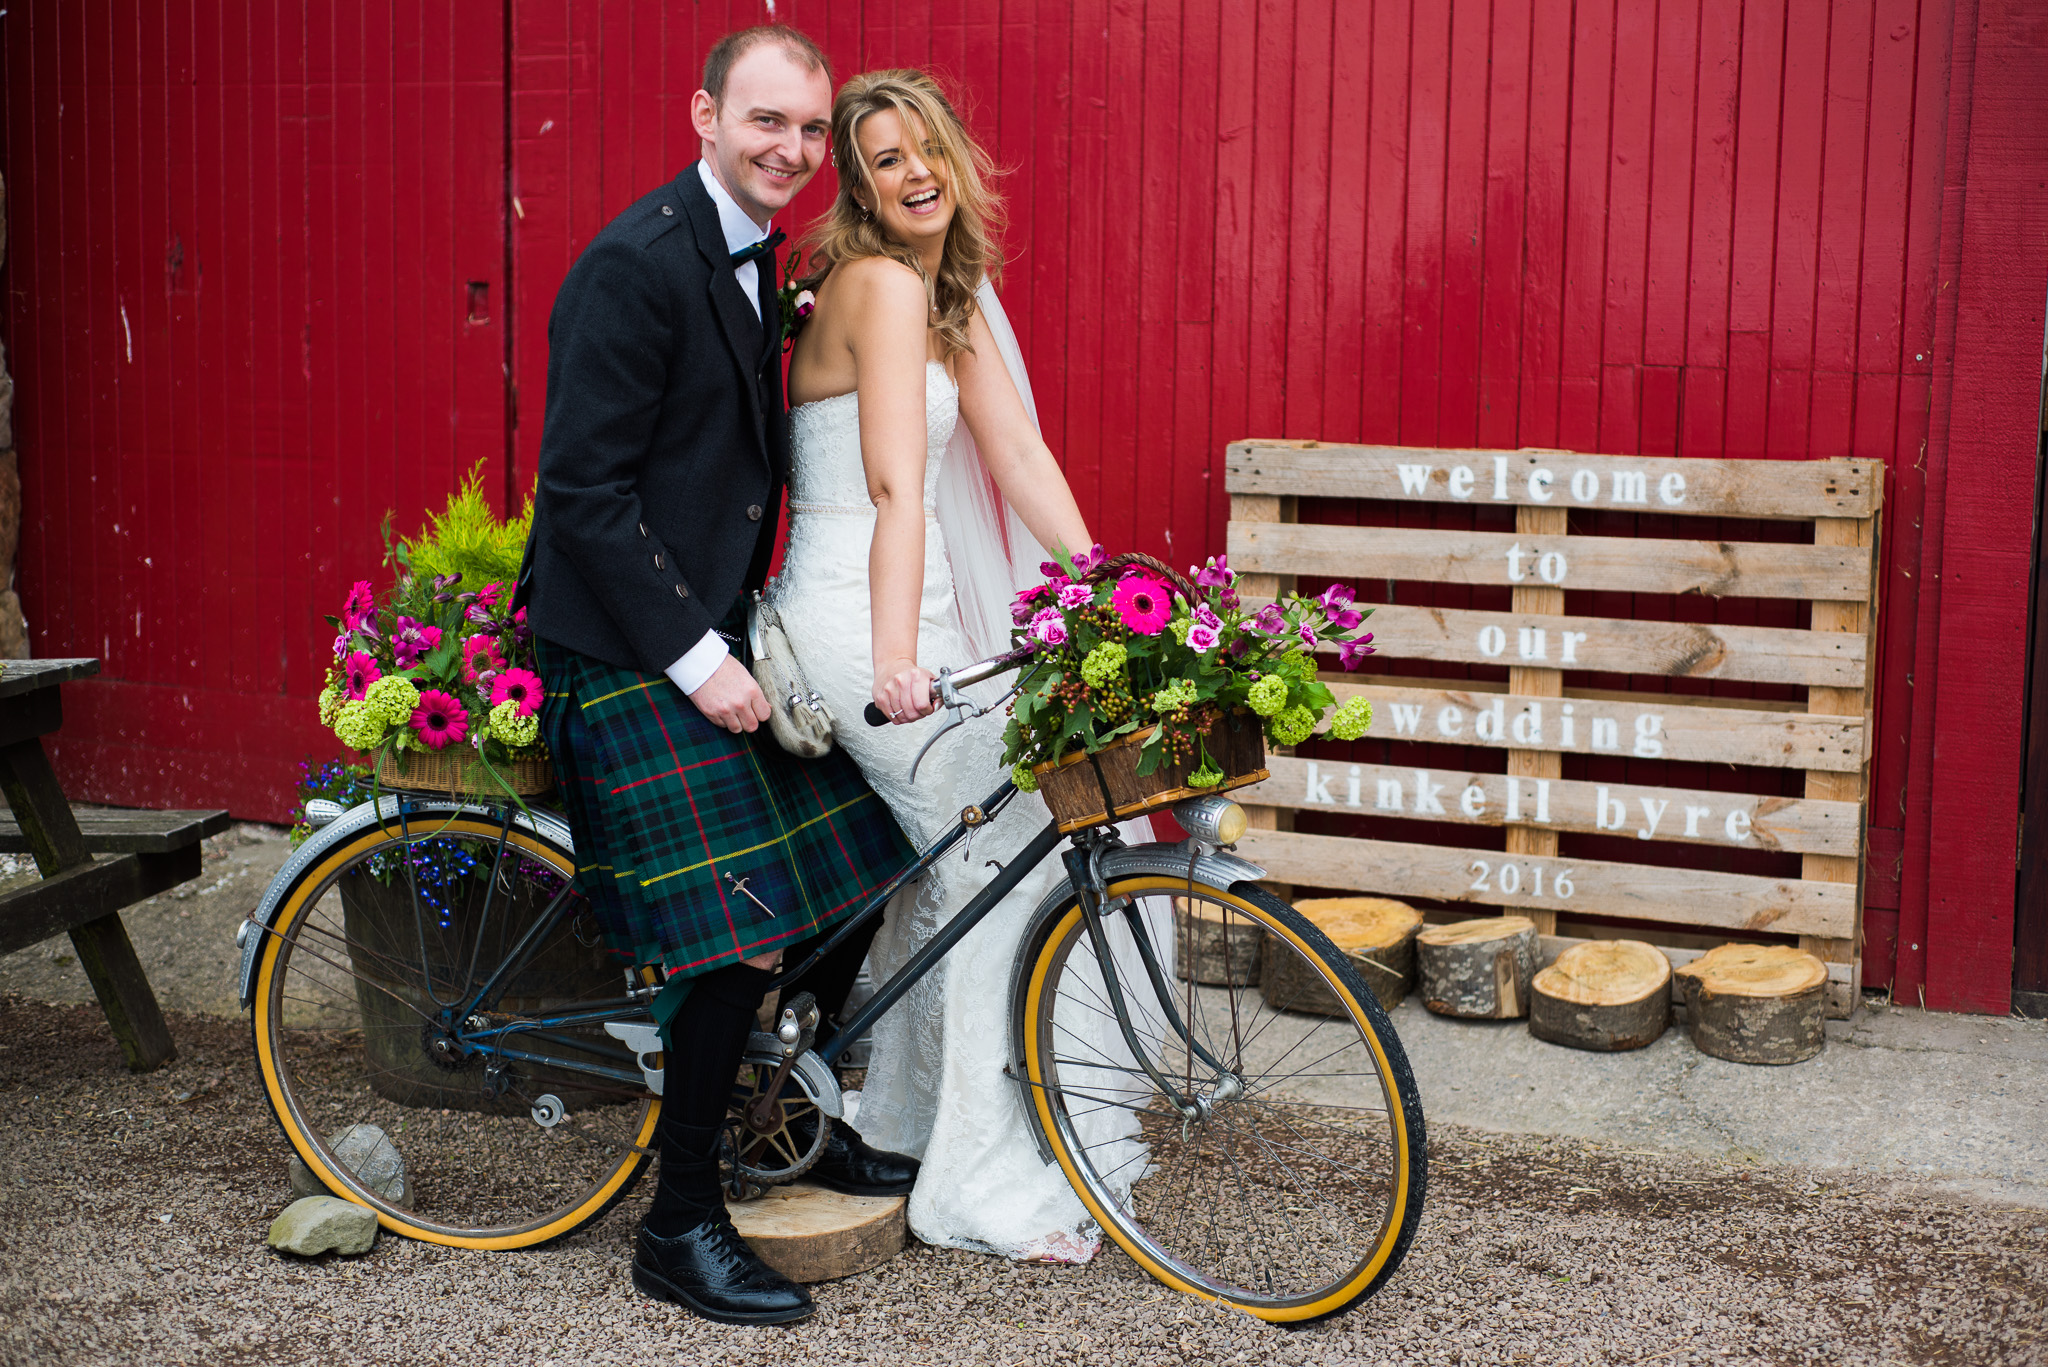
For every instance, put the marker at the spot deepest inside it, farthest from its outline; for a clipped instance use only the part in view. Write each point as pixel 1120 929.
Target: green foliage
pixel 465 538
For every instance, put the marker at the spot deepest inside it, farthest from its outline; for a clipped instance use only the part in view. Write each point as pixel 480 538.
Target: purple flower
pixel 1271 620
pixel 1229 600
pixel 1217 574
pixel 1052 569
pixel 341 646
pixel 1048 628
pixel 477 612
pixel 1343 619
pixel 1334 597
pixel 1205 618
pixel 1352 654
pixel 410 641
pixel 1020 611
pixel 1087 561
pixel 1307 632
pixel 1075 595
pixel 1202 639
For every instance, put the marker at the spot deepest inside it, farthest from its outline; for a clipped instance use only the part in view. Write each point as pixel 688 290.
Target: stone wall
pixel 13 630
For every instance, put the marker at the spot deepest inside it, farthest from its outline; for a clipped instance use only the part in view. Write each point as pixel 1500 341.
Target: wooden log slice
pixel 1756 1003
pixel 809 1234
pixel 1478 969
pixel 1376 933
pixel 1607 995
pixel 1212 947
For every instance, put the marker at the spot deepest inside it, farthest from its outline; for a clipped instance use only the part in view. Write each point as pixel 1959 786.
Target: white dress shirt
pixel 701 660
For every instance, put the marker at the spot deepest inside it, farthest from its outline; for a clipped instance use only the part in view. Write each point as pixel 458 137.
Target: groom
pixel 701 845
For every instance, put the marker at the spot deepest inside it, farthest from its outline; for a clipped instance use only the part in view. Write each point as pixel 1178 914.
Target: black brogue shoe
pixel 848 1165
pixel 710 1269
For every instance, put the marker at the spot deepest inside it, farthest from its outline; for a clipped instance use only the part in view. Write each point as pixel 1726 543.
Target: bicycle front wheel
pixel 1281 1166
pixel 376 1005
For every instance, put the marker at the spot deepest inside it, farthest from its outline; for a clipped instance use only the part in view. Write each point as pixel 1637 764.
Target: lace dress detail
pixel 936 1088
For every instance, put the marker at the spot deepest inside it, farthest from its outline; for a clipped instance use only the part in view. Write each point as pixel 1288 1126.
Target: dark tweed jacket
pixel 665 446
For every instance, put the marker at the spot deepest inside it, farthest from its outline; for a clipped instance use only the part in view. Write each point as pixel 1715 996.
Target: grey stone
pixel 366 1151
pixel 314 1225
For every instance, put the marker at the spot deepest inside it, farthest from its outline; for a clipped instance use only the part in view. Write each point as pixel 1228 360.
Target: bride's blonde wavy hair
pixel 847 232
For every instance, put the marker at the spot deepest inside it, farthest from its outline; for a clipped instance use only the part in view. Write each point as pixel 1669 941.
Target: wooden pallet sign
pixel 1536 720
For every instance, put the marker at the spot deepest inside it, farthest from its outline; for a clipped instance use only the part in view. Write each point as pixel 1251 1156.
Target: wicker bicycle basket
pixel 1090 790
pixel 462 774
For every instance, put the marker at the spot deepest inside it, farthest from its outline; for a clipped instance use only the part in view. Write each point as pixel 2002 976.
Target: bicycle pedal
pixel 797 1028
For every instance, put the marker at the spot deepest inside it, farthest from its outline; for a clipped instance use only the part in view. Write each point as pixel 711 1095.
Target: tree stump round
pixel 1376 933
pixel 1211 946
pixel 1479 969
pixel 1756 1003
pixel 1607 995
pixel 809 1234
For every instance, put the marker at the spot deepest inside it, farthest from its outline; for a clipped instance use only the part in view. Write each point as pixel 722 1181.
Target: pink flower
pixel 1076 595
pixel 1352 654
pixel 805 302
pixel 1144 603
pixel 1271 620
pixel 1205 618
pixel 341 646
pixel 490 594
pixel 1052 569
pixel 439 719
pixel 1336 605
pixel 358 674
pixel 1307 633
pixel 518 685
pixel 480 656
pixel 1094 556
pixel 1217 574
pixel 1202 639
pixel 359 606
pixel 410 641
pixel 1048 629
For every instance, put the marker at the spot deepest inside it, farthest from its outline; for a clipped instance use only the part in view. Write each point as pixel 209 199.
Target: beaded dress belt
pixel 847 509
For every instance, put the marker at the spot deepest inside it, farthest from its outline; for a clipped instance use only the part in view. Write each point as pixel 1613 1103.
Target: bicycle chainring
pixel 750 1160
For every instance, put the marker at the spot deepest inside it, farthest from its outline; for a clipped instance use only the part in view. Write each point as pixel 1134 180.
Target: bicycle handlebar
pixel 958 678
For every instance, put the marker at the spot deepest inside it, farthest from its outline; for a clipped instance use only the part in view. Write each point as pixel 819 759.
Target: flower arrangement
pixel 1124 646
pixel 441 667
pixel 795 300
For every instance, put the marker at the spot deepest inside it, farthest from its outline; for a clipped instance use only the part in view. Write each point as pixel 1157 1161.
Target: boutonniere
pixel 795 300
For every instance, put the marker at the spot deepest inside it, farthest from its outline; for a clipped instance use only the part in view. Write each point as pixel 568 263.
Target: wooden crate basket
pixel 430 771
pixel 1535 719
pixel 1074 788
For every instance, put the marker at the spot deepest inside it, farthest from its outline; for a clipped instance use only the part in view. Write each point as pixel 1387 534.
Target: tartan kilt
pixel 664 806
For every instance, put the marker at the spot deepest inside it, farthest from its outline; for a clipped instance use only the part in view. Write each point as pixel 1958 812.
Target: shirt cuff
pixel 699 663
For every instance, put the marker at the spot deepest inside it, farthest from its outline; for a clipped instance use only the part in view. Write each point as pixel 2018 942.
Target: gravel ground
pixel 133 1211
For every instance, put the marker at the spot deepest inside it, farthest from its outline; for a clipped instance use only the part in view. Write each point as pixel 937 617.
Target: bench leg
pixel 117 978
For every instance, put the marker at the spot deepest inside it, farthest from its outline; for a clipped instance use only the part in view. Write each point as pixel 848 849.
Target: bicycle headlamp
pixel 1211 820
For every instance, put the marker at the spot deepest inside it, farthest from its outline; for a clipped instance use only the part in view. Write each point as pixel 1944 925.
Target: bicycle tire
pixel 1214 1232
pixel 335 1044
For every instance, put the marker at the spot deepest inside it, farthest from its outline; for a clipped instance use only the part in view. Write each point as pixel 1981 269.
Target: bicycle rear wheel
pixel 1292 1183
pixel 366 1011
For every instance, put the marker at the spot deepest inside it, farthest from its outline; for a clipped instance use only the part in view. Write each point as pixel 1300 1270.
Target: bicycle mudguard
pixel 1218 868
pixel 420 812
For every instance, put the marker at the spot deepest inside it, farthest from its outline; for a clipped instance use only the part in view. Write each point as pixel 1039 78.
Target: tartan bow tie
pixel 761 248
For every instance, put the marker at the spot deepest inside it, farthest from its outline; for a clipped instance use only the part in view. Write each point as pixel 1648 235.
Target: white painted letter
pixel 1389 799
pixel 1515 574
pixel 1500 478
pixel 1351 789
pixel 1492 722
pixel 1654 811
pixel 1450 722
pixel 1461 481
pixel 1407 717
pixel 1425 793
pixel 1318 785
pixel 1606 733
pixel 1414 478
pixel 1530 641
pixel 1648 744
pixel 1551 567
pixel 1737 825
pixel 1571 644
pixel 1671 489
pixel 1472 802
pixel 1692 819
pixel 1529 724
pixel 1568 726
pixel 1514 798
pixel 1492 641
pixel 1602 806
pixel 1631 486
pixel 1539 486
pixel 1543 807
pixel 1585 485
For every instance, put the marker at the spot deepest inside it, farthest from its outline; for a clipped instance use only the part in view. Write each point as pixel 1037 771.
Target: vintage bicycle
pixel 424 963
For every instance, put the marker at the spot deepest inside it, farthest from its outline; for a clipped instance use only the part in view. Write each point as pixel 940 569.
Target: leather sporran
pixel 797 715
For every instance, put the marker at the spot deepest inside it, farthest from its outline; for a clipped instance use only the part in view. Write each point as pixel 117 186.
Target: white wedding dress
pixel 936 1087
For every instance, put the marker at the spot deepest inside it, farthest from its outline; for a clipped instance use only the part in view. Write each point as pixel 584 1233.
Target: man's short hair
pixel 729 49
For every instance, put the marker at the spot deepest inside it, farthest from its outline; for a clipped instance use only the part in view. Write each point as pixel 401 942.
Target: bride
pixel 921 499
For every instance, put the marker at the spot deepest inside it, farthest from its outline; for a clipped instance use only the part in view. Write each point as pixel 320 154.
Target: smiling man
pixel 662 463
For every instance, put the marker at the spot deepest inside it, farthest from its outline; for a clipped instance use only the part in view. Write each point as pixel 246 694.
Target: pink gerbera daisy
pixel 439 720
pixel 480 656
pixel 358 674
pixel 359 606
pixel 518 685
pixel 1144 603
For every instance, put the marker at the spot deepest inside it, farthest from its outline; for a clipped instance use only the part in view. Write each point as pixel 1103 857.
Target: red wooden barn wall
pixel 1618 225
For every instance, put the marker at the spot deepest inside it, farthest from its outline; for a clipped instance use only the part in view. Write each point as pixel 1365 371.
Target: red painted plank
pixel 1422 298
pixel 1585 259
pixel 1304 298
pixel 1670 170
pixel 1550 86
pixel 1386 240
pixel 1506 194
pixel 1843 207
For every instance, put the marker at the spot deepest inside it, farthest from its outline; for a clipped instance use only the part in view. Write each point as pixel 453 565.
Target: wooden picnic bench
pixel 93 862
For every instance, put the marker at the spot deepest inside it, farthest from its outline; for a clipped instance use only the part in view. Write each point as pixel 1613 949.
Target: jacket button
pixel 667 211
pixel 682 592
pixel 753 512
pixel 643 529
pixel 657 560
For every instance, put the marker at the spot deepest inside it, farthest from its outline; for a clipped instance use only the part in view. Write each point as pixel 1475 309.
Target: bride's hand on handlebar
pixel 903 690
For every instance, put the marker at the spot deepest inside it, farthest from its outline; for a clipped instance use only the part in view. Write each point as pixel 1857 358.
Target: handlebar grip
pixel 875 716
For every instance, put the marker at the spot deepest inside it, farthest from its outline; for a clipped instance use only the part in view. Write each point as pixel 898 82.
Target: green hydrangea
pixel 1180 627
pixel 509 728
pixel 330 705
pixel 1174 696
pixel 1352 720
pixel 1293 726
pixel 1208 776
pixel 358 726
pixel 1104 663
pixel 393 699
pixel 1268 695
pixel 1022 776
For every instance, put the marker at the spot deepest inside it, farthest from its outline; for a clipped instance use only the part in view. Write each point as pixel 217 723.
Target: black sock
pixel 710 1033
